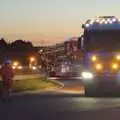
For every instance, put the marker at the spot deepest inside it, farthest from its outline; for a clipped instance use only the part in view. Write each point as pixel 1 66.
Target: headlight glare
pixel 115 66
pixel 98 66
pixel 87 75
pixel 94 58
pixel 118 57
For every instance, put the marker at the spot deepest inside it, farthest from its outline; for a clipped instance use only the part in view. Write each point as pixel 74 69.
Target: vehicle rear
pixel 69 70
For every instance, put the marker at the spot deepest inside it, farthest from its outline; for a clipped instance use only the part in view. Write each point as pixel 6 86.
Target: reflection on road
pixel 71 87
pixel 72 90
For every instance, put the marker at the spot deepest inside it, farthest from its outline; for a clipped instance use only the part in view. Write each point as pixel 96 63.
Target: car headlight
pixel 13 67
pixel 20 67
pixel 87 75
pixel 34 68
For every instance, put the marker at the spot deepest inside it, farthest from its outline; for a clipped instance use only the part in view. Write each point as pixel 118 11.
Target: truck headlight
pixel 118 57
pixel 115 66
pixel 87 75
pixel 98 66
pixel 94 58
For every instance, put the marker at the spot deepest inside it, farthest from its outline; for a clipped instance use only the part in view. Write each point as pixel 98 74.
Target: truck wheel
pixel 90 92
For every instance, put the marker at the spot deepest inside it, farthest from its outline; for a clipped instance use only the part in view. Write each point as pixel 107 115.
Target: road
pixel 57 107
pixel 72 87
pixel 61 106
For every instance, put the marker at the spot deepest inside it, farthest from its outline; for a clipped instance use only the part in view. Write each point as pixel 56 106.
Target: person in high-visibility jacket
pixel 7 75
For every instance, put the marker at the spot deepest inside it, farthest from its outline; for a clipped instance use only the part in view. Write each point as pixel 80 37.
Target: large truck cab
pixel 101 46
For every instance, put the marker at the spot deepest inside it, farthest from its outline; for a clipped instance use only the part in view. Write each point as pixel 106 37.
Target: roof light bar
pixel 102 20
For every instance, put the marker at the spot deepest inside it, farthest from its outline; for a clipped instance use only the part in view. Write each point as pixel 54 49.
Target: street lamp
pixel 32 59
pixel 32 62
pixel 16 65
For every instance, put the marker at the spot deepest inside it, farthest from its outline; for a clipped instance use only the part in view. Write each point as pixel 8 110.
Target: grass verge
pixel 33 84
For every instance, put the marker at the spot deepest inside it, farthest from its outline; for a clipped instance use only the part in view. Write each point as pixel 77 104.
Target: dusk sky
pixel 50 21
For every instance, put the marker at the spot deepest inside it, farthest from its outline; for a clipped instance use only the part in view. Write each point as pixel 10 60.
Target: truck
pixel 100 44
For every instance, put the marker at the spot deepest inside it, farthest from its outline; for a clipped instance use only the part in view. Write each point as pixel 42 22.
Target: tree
pixel 3 43
pixel 17 50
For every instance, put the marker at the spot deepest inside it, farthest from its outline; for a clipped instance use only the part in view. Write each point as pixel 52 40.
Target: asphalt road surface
pixel 70 86
pixel 63 107
pixel 74 86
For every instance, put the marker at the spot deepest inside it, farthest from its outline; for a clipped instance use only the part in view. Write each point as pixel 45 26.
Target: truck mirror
pixel 83 25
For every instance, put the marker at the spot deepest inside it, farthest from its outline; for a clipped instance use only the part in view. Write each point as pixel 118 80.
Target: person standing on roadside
pixel 7 75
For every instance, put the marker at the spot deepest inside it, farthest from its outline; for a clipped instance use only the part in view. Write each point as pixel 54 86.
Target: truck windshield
pixel 103 40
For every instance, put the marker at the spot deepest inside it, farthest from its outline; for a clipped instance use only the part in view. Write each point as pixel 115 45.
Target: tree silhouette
pixel 17 50
pixel 19 45
pixel 3 43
